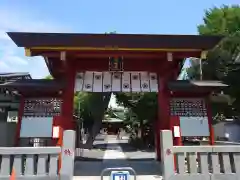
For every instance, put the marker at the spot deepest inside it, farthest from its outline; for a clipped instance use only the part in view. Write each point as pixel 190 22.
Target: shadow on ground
pixel 126 147
pixel 102 146
pixel 77 159
pixel 141 167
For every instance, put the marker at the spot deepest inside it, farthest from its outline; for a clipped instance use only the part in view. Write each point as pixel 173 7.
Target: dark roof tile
pixel 186 85
pixel 27 39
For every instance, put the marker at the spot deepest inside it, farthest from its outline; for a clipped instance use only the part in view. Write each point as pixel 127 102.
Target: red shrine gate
pixel 114 63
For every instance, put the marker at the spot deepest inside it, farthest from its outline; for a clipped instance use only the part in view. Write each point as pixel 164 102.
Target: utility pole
pixel 200 68
pixel 203 57
pixel 80 120
pixel 237 60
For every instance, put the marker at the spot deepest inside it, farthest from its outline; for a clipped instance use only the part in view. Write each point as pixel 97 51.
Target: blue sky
pixel 93 16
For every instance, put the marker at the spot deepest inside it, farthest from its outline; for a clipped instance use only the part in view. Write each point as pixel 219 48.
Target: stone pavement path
pixel 114 156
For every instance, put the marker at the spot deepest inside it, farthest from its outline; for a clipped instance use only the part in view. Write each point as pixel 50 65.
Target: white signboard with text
pixel 36 127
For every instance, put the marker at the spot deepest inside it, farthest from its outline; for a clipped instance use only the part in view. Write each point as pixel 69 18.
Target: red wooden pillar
pixel 57 122
pixel 65 121
pixel 163 121
pixel 68 97
pixel 20 115
pixel 175 121
pixel 210 121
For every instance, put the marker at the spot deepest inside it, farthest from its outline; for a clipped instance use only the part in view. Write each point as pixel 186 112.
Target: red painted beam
pixel 98 60
pixel 128 65
pixel 107 53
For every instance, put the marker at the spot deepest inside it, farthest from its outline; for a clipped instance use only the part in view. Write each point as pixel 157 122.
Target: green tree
pixel 91 108
pixel 49 77
pixel 217 21
pixel 220 21
pixel 97 105
pixel 142 110
pixel 220 63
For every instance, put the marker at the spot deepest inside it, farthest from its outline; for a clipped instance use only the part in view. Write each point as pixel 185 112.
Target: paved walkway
pixel 115 157
pixel 114 151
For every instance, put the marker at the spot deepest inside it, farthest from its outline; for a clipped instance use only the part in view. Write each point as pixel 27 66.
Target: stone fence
pixel 198 162
pixel 38 163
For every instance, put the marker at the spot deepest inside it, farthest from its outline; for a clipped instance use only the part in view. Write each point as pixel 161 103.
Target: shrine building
pixel 9 105
pixel 114 63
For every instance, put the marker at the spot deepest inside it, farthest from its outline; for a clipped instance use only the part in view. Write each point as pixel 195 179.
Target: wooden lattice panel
pixel 188 107
pixel 42 107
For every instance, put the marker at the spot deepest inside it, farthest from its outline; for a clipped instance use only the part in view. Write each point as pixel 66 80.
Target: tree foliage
pixel 90 107
pixel 220 21
pixel 220 63
pixel 140 114
pixel 143 105
pixel 216 21
pixel 49 77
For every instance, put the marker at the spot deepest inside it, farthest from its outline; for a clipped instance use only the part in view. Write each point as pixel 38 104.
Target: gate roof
pixel 41 87
pixel 91 51
pixel 14 76
pixel 196 86
pixel 58 41
pixel 35 87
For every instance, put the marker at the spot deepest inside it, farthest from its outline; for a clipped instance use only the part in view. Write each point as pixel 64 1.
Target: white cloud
pixel 12 57
pixel 4 67
pixel 3 35
pixel 17 60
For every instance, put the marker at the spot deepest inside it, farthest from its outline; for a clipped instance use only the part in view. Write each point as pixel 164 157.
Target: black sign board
pixel 116 64
pixel 44 107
